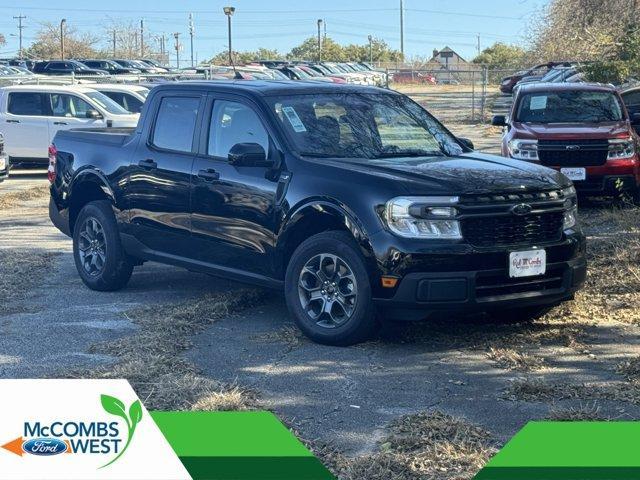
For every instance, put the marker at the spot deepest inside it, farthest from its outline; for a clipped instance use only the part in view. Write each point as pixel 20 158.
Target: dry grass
pixel 20 272
pixel 290 336
pixel 152 360
pixel 630 369
pixel 582 413
pixel 511 359
pixel 13 199
pixel 536 390
pixel 429 445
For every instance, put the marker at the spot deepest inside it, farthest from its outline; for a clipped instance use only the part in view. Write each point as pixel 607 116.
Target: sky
pixel 283 24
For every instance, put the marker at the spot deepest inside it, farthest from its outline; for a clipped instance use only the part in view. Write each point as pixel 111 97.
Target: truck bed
pixel 103 136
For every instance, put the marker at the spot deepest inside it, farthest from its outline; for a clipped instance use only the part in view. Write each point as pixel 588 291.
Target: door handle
pixel 209 175
pixel 60 123
pixel 148 164
pixel 13 121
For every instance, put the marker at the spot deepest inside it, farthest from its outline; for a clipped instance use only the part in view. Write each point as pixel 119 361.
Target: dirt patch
pixel 13 199
pixel 422 446
pixel 511 359
pixel 151 359
pixel 537 390
pixel 20 272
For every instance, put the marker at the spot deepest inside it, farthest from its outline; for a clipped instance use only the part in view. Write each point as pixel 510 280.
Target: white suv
pixel 30 116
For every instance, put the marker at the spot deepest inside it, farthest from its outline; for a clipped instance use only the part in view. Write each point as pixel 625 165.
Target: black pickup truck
pixel 353 200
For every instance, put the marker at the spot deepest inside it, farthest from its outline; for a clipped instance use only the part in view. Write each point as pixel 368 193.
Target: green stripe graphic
pixel 569 451
pixel 238 445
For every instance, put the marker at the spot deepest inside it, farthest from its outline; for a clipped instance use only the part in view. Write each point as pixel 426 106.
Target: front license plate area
pixel 574 173
pixel 528 263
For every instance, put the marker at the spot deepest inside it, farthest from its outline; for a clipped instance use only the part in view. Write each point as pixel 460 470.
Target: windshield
pixel 569 106
pixel 107 104
pixel 366 125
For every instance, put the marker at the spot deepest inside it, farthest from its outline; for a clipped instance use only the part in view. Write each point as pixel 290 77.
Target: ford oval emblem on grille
pixel 572 147
pixel 521 209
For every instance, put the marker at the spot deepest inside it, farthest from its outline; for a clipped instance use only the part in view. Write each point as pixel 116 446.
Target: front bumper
pixel 464 279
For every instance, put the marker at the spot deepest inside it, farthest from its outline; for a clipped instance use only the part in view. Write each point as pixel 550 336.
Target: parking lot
pixel 186 340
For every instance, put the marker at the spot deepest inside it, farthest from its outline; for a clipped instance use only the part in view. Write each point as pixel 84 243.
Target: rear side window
pixel 27 103
pixel 126 101
pixel 176 123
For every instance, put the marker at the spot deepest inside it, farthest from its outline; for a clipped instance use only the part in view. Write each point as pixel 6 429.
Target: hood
pixel 571 131
pixel 469 173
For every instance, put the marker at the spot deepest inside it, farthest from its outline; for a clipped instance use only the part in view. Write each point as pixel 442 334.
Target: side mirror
pixel 499 121
pixel 94 114
pixel 635 119
pixel 466 143
pixel 248 155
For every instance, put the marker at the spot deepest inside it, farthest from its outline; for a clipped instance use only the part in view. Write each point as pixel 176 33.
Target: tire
pixel 520 315
pixel 351 315
pixel 100 259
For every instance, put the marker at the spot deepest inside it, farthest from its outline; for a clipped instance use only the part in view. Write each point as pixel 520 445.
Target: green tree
pixel 501 55
pixel 308 50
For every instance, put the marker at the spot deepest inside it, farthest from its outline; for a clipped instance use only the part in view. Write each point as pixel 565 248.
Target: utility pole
pixel 478 44
pixel 20 27
pixel 63 22
pixel 319 41
pixel 402 29
pixel 142 38
pixel 370 49
pixel 113 41
pixel 177 37
pixel 191 32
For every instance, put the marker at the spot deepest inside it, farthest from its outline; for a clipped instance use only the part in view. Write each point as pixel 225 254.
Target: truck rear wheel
pixel 100 259
pixel 328 292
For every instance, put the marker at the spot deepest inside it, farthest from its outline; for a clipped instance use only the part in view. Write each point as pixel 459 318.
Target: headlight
pixel 571 205
pixel 523 149
pixel 621 148
pixel 423 217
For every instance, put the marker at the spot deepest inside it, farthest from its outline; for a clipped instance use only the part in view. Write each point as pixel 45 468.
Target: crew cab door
pixel 234 208
pixel 70 111
pixel 160 174
pixel 25 125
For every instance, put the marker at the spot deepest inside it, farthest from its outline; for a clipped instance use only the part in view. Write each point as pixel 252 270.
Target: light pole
pixel 228 11
pixel 319 41
pixel 177 37
pixel 62 24
pixel 370 49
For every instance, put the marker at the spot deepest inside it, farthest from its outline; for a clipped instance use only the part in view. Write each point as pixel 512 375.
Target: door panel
pixel 160 177
pixel 234 208
pixel 25 126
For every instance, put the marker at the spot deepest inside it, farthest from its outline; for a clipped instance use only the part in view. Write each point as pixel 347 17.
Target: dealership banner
pixel 569 451
pixel 99 429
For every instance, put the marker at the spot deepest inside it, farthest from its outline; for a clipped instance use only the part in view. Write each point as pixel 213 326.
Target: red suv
pixel 581 129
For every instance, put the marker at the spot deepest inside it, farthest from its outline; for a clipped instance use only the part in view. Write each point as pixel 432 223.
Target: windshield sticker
pixel 538 103
pixel 294 119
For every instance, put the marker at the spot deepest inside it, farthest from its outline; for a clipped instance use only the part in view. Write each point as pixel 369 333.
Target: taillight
pixel 51 171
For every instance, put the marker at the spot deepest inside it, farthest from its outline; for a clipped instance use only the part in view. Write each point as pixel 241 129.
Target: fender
pixel 337 210
pixel 95 176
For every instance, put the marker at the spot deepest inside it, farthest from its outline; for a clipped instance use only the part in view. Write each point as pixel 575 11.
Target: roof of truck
pixel 272 87
pixel 563 86
pixel 84 88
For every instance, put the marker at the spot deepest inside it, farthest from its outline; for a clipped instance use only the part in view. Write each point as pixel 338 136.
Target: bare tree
pixel 47 43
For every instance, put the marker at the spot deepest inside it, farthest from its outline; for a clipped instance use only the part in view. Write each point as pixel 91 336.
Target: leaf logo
pixel 116 407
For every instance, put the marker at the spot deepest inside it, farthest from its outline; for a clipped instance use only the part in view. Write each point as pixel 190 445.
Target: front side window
pixel 176 123
pixel 365 126
pixel 64 105
pixel 569 106
pixel 27 103
pixel 233 123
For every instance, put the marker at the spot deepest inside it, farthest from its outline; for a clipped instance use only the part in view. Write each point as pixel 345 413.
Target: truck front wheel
pixel 100 259
pixel 328 292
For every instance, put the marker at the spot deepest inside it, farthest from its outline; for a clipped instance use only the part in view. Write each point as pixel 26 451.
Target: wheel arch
pixel 317 216
pixel 87 186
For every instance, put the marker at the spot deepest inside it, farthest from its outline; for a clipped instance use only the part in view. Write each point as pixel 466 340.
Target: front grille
pixel 513 230
pixel 496 285
pixel 489 220
pixel 573 153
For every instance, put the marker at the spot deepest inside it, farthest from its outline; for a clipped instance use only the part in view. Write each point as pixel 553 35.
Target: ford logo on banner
pixel 44 446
